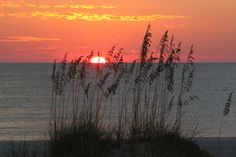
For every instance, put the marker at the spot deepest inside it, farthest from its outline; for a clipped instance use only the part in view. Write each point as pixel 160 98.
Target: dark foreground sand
pixel 227 146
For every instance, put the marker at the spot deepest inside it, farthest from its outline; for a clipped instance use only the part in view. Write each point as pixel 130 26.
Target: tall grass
pixel 119 102
pixel 225 113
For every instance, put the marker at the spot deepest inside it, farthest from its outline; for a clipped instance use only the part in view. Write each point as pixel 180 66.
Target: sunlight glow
pixel 98 59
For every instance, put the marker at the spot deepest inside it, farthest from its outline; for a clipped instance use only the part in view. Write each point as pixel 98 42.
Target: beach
pixel 227 146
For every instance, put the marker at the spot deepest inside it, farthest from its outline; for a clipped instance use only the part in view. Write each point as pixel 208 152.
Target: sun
pixel 98 59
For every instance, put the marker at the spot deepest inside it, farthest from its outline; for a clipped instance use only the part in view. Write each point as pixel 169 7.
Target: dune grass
pixel 119 102
pixel 120 109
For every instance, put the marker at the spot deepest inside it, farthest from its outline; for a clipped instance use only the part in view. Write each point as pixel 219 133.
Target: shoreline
pixel 226 148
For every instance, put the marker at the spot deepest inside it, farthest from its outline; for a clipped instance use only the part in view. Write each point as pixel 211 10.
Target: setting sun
pixel 98 59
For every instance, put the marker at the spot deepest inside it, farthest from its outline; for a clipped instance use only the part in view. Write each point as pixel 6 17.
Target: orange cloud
pixel 25 39
pixel 9 4
pixel 74 16
pixel 170 26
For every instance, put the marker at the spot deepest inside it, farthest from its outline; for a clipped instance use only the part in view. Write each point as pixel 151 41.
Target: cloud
pixel 46 48
pixel 175 26
pixel 9 4
pixel 170 26
pixel 131 52
pixel 70 12
pixel 74 16
pixel 78 6
pixel 26 39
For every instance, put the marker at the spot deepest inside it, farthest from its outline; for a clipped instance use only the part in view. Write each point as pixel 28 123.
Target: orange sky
pixel 41 31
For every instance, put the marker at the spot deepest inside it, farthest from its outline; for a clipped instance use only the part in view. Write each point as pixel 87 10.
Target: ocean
pixel 25 97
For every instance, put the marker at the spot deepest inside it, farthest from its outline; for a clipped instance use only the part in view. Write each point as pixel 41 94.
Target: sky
pixel 44 30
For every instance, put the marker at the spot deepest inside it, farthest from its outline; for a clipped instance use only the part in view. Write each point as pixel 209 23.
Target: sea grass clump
pixel 117 102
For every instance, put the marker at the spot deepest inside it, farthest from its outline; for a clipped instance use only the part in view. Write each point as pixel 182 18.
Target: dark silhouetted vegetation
pixel 98 109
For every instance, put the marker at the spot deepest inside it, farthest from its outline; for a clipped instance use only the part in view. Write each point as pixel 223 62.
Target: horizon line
pixel 210 62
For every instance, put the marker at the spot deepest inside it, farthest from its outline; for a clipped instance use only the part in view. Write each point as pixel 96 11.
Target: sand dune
pixel 227 146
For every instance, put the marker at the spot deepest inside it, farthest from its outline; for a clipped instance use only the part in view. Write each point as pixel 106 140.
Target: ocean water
pixel 25 91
